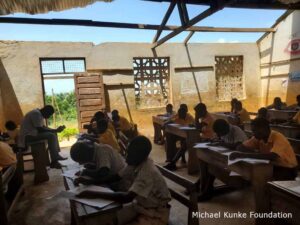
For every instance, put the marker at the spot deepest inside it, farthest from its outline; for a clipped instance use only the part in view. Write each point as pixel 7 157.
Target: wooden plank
pixel 90 96
pixel 87 91
pixel 90 108
pixel 281 62
pixel 87 114
pixel 88 85
pixel 90 102
pixel 88 79
pixel 194 69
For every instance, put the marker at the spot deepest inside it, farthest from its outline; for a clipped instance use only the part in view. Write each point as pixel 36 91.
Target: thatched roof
pixel 41 6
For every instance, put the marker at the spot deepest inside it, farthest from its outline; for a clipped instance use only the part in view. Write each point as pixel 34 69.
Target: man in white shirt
pixel 34 129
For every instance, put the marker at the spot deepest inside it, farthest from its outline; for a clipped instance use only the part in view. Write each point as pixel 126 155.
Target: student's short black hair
pixel 99 115
pixel 221 127
pixel 201 107
pixel 181 113
pixel 262 113
pixel 115 112
pixel 260 123
pixel 47 111
pixel 10 125
pixel 184 106
pixel 102 126
pixel 138 150
pixel 82 152
pixel 169 106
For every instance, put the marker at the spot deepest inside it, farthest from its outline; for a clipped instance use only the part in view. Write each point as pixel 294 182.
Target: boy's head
pixel 298 99
pixel 10 125
pixel 82 152
pixel 184 106
pixel 138 150
pixel 238 106
pixel 261 129
pixel 200 110
pixel 233 102
pixel 262 113
pixel 99 116
pixel 47 111
pixel 169 108
pixel 115 115
pixel 277 102
pixel 182 113
pixel 102 126
pixel 221 127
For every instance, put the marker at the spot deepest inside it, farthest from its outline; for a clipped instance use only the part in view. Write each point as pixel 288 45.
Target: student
pixel 100 116
pixel 121 123
pixel 169 111
pixel 232 104
pixel 105 136
pixel 7 156
pixel 100 161
pixel 189 116
pixel 242 114
pixel 184 120
pixel 295 106
pixel 277 104
pixel 204 121
pixel 272 145
pixel 12 131
pixel 148 196
pixel 263 113
pixel 33 129
pixel 230 136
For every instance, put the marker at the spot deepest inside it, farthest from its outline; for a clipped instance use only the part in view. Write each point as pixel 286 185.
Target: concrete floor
pixel 37 208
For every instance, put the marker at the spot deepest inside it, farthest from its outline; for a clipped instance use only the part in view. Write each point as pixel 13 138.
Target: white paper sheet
pixel 234 174
pixel 201 145
pixel 296 189
pixel 248 160
pixel 187 128
pixel 71 173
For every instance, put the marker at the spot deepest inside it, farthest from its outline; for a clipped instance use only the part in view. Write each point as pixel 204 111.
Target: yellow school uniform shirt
pixel 244 116
pixel 207 131
pixel 111 128
pixel 278 144
pixel 124 124
pixel 187 121
pixel 108 138
pixel 7 156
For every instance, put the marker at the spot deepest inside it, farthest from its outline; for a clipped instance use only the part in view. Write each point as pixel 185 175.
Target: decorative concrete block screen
pixel 229 77
pixel 151 81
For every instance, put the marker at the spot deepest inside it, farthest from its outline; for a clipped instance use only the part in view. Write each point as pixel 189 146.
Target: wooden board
pixel 89 91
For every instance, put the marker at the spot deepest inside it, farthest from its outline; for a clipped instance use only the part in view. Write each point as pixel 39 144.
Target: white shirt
pixel 29 125
pixel 235 135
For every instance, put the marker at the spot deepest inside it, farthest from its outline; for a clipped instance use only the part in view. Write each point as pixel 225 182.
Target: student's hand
pixel 235 155
pixel 82 180
pixel 86 194
pixel 60 128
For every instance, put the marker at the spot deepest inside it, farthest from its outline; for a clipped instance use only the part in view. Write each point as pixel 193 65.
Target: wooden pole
pixel 53 104
pixel 126 102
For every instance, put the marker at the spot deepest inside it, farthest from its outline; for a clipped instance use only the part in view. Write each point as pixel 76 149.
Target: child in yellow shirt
pixel 7 156
pixel 105 135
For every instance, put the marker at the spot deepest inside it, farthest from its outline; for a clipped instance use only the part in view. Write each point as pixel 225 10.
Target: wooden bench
pixel 190 202
pixel 11 180
pixel 82 214
pixel 40 157
pixel 123 142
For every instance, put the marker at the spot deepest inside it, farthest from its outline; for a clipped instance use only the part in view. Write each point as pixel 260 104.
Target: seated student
pixel 272 145
pixel 7 156
pixel 295 106
pixel 122 124
pixel 12 131
pixel 204 121
pixel 100 161
pixel 158 135
pixel 100 116
pixel 181 119
pixel 189 116
pixel 148 196
pixel 33 129
pixel 233 103
pixel 242 114
pixel 105 136
pixel 277 104
pixel 263 113
pixel 230 136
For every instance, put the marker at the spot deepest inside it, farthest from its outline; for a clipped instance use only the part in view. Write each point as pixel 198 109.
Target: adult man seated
pixel 229 136
pixel 271 145
pixel 33 129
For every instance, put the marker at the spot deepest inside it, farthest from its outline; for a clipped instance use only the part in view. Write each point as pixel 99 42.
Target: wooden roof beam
pixel 186 40
pixel 183 13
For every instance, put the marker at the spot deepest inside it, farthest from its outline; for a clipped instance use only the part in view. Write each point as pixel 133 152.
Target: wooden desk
pixel 158 123
pixel 86 215
pixel 281 114
pixel 257 174
pixel 284 199
pixel 192 136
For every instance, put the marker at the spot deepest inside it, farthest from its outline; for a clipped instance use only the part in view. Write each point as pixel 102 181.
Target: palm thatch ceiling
pixel 42 6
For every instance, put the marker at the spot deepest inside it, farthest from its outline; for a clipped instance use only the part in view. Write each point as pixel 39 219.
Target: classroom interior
pixel 139 80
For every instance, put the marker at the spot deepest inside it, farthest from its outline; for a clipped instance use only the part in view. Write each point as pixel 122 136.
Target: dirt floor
pixel 37 208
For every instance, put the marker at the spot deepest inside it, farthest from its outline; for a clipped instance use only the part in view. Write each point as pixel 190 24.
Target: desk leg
pixel 170 146
pixel 193 162
pixel 157 133
pixel 260 177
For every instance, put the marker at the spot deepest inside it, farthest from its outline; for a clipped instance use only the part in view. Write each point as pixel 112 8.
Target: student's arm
pixel 122 197
pixel 268 156
pixel 245 149
pixel 48 129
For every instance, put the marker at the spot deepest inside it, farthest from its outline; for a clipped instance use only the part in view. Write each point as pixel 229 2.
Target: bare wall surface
pixel 278 59
pixel 21 62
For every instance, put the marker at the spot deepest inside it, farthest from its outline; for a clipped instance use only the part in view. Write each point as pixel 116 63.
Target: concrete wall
pixel 277 61
pixel 21 62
